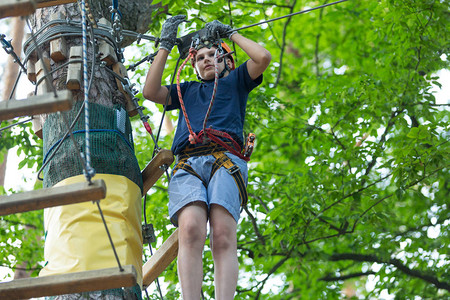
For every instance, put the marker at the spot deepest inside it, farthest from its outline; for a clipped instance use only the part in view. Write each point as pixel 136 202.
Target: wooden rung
pixel 36 105
pixel 69 283
pixel 162 258
pixel 16 8
pixel 55 196
pixel 47 3
pixel 153 170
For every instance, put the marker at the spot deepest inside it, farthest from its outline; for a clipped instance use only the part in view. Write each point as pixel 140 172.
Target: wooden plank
pixel 153 170
pixel 53 285
pixel 73 80
pixel 162 258
pixel 47 3
pixel 40 104
pixel 16 8
pixel 58 47
pixel 55 196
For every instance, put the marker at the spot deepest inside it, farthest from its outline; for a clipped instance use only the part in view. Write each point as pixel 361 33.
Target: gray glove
pixel 169 30
pixel 215 28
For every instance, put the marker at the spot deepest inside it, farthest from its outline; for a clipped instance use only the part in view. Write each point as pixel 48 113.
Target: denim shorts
pixel 185 188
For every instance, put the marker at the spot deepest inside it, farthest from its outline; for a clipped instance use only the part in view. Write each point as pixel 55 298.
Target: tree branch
pixel 20 268
pixel 283 46
pixel 255 226
pixel 30 226
pixel 348 276
pixel 316 50
pixel 394 262
pixel 273 270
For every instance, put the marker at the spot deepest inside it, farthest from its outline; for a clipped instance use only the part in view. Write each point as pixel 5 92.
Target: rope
pixel 216 82
pixel 90 172
pixel 192 136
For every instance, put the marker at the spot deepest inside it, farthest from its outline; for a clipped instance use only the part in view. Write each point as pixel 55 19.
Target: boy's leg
pixel 224 250
pixel 191 237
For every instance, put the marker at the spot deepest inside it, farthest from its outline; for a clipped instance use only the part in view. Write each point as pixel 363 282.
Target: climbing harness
pixel 222 160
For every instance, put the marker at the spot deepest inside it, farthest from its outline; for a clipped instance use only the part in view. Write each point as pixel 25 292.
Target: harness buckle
pixel 233 169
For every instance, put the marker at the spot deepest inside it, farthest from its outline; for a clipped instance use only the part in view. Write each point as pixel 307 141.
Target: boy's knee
pixel 223 239
pixel 192 234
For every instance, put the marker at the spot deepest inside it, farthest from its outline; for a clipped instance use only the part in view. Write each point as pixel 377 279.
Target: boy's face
pixel 204 62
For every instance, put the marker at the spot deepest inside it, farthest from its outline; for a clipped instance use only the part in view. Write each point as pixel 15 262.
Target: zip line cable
pixel 39 54
pixel 15 124
pixel 287 16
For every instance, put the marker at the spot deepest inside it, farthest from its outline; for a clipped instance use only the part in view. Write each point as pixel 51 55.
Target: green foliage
pixel 351 150
pixel 349 183
pixel 21 234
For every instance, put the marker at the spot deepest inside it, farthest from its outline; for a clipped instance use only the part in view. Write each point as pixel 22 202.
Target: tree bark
pixel 136 16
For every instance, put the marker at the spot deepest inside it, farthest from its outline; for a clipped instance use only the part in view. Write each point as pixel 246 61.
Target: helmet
pixel 221 45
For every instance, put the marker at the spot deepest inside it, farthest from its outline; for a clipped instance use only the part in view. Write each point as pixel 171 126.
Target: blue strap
pixel 115 6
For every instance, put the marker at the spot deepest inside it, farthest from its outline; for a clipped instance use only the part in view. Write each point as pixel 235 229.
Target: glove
pixel 215 28
pixel 169 30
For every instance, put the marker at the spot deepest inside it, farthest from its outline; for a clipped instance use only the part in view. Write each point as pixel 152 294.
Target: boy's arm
pixel 259 56
pixel 153 90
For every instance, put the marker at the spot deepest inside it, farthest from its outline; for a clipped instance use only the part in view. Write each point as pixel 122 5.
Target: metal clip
pixel 6 45
pixel 233 169
pixel 148 233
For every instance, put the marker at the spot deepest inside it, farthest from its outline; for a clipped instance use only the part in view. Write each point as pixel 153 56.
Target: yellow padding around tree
pixel 76 238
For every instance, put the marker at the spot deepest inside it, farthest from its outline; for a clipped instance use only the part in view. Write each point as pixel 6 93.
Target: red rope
pixel 192 136
pixel 208 133
pixel 216 82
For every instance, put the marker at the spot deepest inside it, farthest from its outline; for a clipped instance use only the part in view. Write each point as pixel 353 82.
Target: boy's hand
pixel 169 32
pixel 215 28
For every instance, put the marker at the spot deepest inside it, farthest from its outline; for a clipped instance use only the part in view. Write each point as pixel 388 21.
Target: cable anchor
pixel 10 50
pixel 148 233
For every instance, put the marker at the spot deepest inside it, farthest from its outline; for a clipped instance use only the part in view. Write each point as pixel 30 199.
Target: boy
pixel 196 194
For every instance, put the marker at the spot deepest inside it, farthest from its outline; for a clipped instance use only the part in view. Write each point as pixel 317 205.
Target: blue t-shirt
pixel 228 111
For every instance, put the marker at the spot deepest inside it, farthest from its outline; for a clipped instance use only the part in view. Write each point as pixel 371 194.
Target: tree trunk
pixel 104 94
pixel 111 144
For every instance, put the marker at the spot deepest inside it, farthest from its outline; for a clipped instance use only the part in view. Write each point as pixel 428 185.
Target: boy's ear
pixel 229 63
